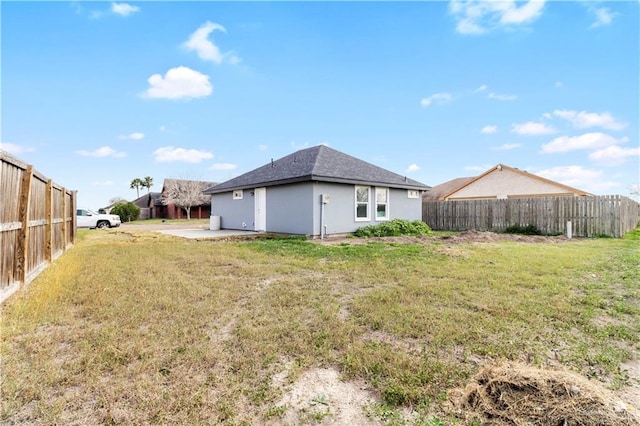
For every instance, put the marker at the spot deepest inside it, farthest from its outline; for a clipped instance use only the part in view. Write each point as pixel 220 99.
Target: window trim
pixel 386 204
pixel 238 194
pixel 413 193
pixel 356 203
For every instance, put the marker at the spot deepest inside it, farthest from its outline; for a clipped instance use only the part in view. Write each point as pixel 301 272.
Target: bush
pixel 394 228
pixel 127 211
pixel 523 229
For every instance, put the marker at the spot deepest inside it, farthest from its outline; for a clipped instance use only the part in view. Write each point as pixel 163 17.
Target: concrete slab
pixel 206 233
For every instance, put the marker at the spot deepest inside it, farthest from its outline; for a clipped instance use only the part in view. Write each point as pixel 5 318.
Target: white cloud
pixel 614 155
pixel 584 119
pixel 412 168
pixel 136 136
pixel 169 154
pixel 199 41
pixel 558 84
pixel 488 130
pixel 506 147
pixel 123 9
pixel 179 83
pixel 103 151
pixel 579 177
pixel 262 147
pixel 585 141
pixel 532 128
pixel 603 16
pixel 499 97
pixel 15 149
pixel 162 128
pixel 437 98
pixel 478 17
pixel 223 166
pixel 481 89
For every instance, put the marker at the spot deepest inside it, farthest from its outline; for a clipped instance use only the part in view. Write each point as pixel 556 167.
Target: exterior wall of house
pixel 290 208
pixel 296 208
pixel 235 214
pixel 508 184
pixel 340 212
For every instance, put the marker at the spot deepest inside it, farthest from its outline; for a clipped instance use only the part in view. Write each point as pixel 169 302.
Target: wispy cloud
pixel 614 155
pixel 412 168
pixel 482 88
pixel 500 97
pixel 531 128
pixel 136 136
pixel 262 147
pixel 179 83
pixel 586 141
pixel 584 119
pixel 489 130
pixel 437 98
pixel 170 154
pixel 506 147
pixel 102 183
pixel 223 166
pixel 13 148
pixel 103 151
pixel 475 17
pixel 124 9
pixel 205 48
pixel 603 16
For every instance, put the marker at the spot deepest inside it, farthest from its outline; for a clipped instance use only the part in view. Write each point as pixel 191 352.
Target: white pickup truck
pixel 86 218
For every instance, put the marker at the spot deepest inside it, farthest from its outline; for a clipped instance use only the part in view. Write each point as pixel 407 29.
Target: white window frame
pixel 386 204
pixel 238 194
pixel 356 203
pixel 412 193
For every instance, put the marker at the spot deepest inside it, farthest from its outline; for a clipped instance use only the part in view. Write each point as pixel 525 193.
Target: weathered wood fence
pixel 37 223
pixel 610 215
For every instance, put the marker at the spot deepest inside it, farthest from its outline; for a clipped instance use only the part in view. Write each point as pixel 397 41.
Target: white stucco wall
pixel 504 183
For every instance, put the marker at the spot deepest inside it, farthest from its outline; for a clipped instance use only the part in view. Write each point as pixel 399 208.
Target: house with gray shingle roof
pixel 315 191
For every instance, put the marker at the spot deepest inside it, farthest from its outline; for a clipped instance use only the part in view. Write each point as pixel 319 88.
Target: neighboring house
pixel 158 209
pixel 315 191
pixel 144 203
pixel 501 182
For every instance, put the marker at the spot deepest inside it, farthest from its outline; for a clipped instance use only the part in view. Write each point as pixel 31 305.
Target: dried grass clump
pixel 518 394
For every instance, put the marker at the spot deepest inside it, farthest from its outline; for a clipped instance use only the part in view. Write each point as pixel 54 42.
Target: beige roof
pixel 437 191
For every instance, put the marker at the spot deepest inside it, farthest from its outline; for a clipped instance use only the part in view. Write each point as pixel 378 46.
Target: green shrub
pixel 127 211
pixel 523 229
pixel 394 228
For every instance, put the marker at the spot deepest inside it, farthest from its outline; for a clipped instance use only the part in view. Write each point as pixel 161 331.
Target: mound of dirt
pixel 519 394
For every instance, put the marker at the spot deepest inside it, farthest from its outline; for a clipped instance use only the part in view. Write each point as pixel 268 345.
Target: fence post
pixel 22 248
pixel 48 216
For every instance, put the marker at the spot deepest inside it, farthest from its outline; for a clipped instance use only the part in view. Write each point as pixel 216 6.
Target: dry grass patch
pixel 141 328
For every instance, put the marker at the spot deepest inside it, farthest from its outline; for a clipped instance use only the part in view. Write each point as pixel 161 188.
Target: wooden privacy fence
pixel 37 223
pixel 610 215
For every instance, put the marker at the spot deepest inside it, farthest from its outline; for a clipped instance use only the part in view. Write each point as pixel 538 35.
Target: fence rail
pixel 37 223
pixel 610 215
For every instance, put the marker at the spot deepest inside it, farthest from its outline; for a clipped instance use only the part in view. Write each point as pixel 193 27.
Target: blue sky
pixel 95 94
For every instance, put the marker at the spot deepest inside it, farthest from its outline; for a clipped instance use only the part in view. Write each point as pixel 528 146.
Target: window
pixel 412 193
pixel 382 203
pixel 362 203
pixel 237 195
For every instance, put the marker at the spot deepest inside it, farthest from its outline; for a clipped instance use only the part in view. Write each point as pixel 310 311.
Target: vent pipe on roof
pixel 405 178
pixel 272 165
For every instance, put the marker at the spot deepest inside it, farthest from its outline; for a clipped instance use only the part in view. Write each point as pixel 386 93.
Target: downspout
pixel 321 216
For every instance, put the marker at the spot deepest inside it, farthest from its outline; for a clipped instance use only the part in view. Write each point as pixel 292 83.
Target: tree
pixel 127 211
pixel 185 193
pixel 136 183
pixel 147 182
pixel 634 191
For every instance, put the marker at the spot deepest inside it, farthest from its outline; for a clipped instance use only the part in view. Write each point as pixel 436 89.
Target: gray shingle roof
pixel 319 163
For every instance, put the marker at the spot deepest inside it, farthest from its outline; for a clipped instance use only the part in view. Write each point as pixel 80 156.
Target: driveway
pixel 187 230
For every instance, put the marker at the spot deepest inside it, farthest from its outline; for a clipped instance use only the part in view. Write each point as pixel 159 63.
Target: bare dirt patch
pixel 320 397
pixel 465 237
pixel 518 394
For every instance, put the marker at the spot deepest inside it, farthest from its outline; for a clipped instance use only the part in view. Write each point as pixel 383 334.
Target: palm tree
pixel 137 183
pixel 147 182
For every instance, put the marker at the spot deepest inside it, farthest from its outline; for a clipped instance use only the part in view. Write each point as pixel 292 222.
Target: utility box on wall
pixel 325 198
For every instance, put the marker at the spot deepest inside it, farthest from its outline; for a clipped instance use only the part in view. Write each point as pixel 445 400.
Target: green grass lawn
pixel 143 328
